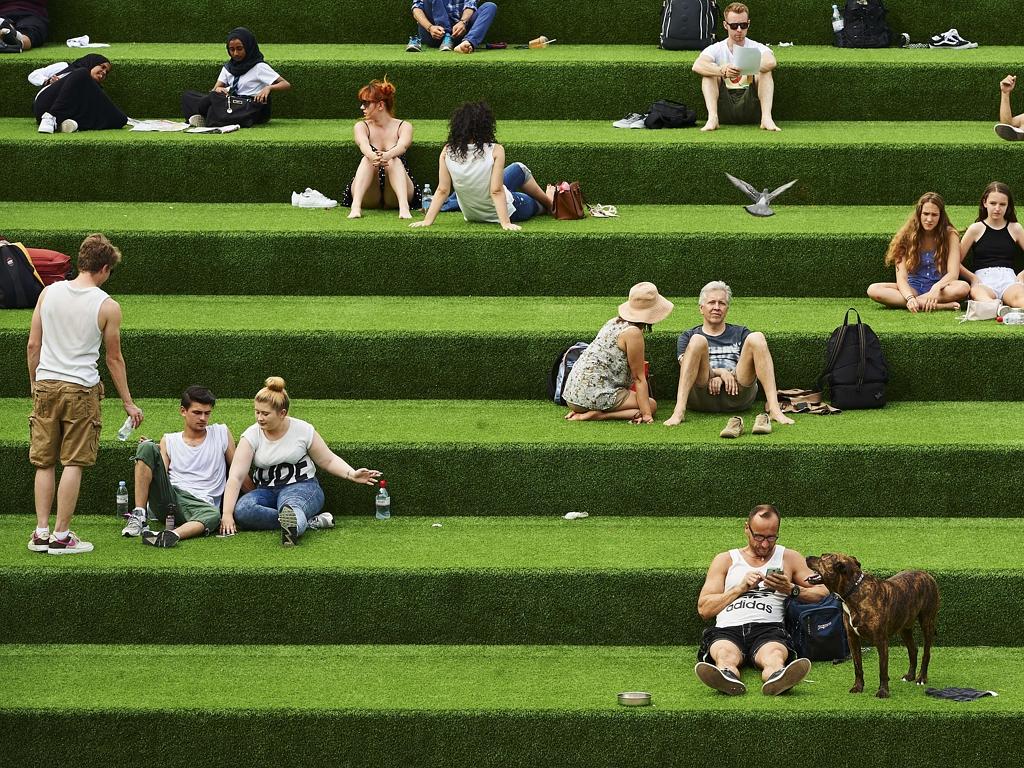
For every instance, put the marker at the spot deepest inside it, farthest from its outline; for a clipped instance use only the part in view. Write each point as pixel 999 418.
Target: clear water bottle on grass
pixel 1014 317
pixel 122 500
pixel 383 502
pixel 428 197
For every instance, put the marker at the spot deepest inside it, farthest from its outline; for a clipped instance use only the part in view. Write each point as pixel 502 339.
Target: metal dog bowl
pixel 634 699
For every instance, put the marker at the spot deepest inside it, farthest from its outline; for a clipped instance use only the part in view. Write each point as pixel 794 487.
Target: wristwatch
pixel 795 591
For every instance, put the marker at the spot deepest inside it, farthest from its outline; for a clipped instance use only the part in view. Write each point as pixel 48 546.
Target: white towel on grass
pixel 82 41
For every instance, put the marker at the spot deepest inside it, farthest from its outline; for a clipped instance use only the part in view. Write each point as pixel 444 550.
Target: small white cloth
pixel 162 126
pixel 82 41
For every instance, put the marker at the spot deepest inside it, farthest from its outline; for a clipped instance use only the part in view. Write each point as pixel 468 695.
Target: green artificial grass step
pixel 452 457
pixel 484 706
pixel 331 21
pixel 173 247
pixel 601 581
pixel 583 82
pixel 886 163
pixel 500 347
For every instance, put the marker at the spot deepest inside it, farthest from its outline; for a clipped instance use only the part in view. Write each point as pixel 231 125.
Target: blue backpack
pixel 560 370
pixel 817 629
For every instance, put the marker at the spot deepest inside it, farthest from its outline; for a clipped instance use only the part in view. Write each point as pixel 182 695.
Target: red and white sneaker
pixel 72 545
pixel 38 543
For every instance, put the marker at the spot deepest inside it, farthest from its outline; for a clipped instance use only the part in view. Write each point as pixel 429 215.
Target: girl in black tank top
pixel 994 248
pixel 994 239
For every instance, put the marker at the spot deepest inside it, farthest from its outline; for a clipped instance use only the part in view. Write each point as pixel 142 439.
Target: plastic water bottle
pixel 838 25
pixel 122 500
pixel 428 197
pixel 383 502
pixel 125 430
pixel 1015 317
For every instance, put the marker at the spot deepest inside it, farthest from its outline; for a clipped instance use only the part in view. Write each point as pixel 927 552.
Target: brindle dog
pixel 876 610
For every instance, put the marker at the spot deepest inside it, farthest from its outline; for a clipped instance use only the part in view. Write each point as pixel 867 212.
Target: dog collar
pixel 856 584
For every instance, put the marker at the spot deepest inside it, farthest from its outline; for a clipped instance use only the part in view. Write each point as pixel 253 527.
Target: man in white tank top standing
pixel 70 321
pixel 184 475
pixel 744 592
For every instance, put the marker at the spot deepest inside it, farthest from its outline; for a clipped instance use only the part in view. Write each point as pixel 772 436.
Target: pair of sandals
pixel 603 211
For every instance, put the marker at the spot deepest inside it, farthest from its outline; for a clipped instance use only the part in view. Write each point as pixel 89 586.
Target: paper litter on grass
pixel 163 126
pixel 82 41
pixel 222 129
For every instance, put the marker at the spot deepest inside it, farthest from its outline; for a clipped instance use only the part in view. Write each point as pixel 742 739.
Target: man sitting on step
pixel 184 475
pixel 720 365
pixel 458 25
pixel 730 96
pixel 744 592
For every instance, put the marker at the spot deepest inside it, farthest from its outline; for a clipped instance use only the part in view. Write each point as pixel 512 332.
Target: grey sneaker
pixel 446 44
pixel 197 121
pixel 786 678
pixel 289 523
pixel 322 522
pixel 632 120
pixel 724 680
pixel 414 46
pixel 136 523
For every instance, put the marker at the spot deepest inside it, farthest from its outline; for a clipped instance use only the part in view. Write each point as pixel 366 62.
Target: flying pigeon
pixel 761 199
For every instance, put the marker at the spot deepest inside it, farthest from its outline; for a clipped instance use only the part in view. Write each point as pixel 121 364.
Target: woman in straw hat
pixel 609 381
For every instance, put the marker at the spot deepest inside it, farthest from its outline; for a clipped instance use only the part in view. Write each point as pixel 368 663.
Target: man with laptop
pixel 736 76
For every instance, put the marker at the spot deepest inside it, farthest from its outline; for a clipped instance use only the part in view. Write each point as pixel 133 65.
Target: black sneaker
pixel 289 523
pixel 10 47
pixel 951 40
pixel 786 678
pixel 162 539
pixel 724 680
pixel 8 34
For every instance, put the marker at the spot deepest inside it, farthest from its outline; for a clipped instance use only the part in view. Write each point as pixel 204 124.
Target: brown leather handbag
pixel 568 202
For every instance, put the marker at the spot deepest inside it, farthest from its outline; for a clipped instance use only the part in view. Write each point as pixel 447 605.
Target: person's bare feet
pixel 464 47
pixel 769 125
pixel 711 125
pixel 780 417
pixel 404 215
pixel 674 420
pixel 356 214
pixel 953 305
pixel 585 416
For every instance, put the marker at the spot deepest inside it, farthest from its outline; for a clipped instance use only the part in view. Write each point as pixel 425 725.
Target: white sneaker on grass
pixel 322 522
pixel 68 126
pixel 312 198
pixel 39 76
pixel 72 545
pixel 136 524
pixel 47 123
pixel 197 121
pixel 632 120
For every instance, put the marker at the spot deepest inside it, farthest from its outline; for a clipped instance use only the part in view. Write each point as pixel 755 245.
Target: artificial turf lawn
pixel 500 347
pixel 894 161
pixel 176 248
pixel 523 580
pixel 451 457
pixel 486 706
pixel 591 82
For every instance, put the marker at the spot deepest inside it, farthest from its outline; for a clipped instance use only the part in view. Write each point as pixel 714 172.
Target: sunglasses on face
pixel 365 104
pixel 738 25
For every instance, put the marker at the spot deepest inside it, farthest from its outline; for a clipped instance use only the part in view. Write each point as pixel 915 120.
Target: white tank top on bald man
pixel 199 469
pixel 284 461
pixel 756 606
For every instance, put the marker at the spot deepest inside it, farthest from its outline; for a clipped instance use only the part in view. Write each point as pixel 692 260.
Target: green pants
pixel 187 508
pixel 738 106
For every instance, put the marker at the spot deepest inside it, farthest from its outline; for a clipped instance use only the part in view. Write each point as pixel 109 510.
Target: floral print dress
pixel 600 379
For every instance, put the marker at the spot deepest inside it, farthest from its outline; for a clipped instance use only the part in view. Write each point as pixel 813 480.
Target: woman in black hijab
pixel 246 76
pixel 72 100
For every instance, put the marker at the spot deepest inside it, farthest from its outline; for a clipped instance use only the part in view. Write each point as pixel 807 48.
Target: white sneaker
pixel 68 126
pixel 136 523
pixel 47 123
pixel 322 522
pixel 312 198
pixel 72 545
pixel 41 75
pixel 632 120
pixel 197 121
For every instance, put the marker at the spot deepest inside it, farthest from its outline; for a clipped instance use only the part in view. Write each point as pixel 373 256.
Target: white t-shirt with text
pixel 284 461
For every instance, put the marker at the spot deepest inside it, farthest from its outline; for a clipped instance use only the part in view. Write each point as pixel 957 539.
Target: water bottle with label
pixel 122 500
pixel 125 430
pixel 169 520
pixel 1013 317
pixel 428 197
pixel 838 25
pixel 383 502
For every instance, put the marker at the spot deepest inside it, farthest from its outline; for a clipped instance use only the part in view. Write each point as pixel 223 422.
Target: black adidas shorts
pixel 748 638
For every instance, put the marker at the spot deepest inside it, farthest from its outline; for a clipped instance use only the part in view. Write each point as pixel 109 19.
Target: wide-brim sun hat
pixel 645 305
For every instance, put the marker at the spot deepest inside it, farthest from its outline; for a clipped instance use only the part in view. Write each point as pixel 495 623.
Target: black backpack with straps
pixel 856 370
pixel 20 284
pixel 688 25
pixel 864 25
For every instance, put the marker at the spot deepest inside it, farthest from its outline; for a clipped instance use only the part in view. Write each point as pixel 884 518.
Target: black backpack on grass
pixel 817 629
pixel 560 370
pixel 20 284
pixel 864 25
pixel 856 370
pixel 688 25
pixel 670 114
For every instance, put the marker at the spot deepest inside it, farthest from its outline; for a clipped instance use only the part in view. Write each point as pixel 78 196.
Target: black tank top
pixel 995 248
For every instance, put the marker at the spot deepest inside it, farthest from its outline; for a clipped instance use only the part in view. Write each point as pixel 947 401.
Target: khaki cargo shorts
pixel 65 424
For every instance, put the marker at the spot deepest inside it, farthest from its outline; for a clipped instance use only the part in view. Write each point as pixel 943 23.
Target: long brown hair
pixel 907 244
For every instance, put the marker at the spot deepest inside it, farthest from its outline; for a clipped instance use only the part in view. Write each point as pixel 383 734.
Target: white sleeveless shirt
pixel 756 606
pixel 201 470
pixel 71 334
pixel 471 179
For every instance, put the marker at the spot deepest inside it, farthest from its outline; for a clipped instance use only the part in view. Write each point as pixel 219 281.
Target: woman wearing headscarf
pixel 245 75
pixel 72 100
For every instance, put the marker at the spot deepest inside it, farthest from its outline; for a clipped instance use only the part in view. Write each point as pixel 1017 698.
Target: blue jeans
pixel 257 510
pixel 476 27
pixel 515 176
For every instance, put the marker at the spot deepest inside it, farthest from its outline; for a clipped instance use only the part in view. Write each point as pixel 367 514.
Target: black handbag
pixel 232 109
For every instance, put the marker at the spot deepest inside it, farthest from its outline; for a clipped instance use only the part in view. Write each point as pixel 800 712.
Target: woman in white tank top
pixel 474 165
